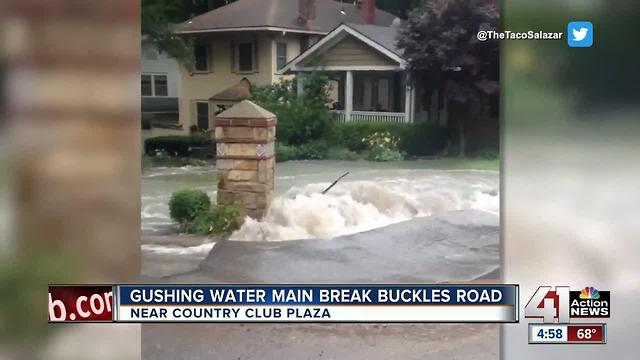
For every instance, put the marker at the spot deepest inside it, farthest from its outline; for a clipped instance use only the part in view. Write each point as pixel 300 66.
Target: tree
pixel 439 40
pixel 159 18
pixel 301 119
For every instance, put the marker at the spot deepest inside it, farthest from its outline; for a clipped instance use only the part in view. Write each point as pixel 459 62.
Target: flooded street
pixel 402 222
pixel 357 212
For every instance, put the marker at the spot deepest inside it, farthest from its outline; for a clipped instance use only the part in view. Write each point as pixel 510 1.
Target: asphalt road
pixel 327 341
pixel 461 246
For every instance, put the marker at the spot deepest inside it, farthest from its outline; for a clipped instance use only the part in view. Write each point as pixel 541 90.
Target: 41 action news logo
pixel 560 304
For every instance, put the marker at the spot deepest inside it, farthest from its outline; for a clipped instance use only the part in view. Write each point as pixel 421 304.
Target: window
pixel 147 87
pixel 201 53
pixel 383 95
pixel 202 114
pixel 154 85
pixel 160 85
pixel 245 57
pixel 281 55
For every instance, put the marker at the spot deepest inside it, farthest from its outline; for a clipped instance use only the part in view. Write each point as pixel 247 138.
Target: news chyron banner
pixel 284 303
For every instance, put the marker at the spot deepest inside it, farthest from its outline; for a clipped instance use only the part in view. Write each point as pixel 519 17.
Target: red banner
pixel 80 303
pixel 585 333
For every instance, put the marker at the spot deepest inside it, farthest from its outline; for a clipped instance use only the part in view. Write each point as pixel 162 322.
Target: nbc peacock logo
pixel 589 293
pixel 560 304
pixel 589 302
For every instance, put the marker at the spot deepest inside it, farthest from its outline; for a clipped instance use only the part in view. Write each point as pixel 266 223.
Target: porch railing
pixel 370 116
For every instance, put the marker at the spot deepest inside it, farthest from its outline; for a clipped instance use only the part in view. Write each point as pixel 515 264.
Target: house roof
pixel 241 90
pixel 383 35
pixel 380 38
pixel 278 15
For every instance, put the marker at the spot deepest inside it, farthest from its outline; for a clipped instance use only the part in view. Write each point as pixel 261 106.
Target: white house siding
pixel 154 63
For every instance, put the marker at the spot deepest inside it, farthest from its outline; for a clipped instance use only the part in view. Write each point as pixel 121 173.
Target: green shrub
pixel 350 134
pixel 381 139
pixel 424 140
pixel 285 152
pixel 176 145
pixel 186 205
pixel 381 153
pixel 382 147
pixel 316 150
pixel 413 139
pixel 300 119
pixel 342 153
pixel 218 220
pixel 489 153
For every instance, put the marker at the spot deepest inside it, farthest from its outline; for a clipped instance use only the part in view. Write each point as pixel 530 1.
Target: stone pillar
pixel 245 157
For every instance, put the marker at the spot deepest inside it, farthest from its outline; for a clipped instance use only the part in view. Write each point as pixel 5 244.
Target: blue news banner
pixel 324 303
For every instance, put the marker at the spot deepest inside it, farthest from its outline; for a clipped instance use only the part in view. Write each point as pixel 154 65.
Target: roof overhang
pixel 253 28
pixel 331 39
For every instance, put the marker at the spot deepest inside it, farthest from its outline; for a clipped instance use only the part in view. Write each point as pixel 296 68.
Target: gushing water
pixel 372 196
pixel 352 207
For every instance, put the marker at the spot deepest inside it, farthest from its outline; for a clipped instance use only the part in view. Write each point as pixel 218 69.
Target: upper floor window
pixel 245 57
pixel 281 55
pixel 154 85
pixel 201 53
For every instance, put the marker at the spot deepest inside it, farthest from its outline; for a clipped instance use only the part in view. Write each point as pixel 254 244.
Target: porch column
pixel 409 96
pixel 348 96
pixel 300 80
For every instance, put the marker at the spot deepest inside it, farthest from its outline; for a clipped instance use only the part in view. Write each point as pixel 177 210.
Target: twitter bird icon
pixel 580 34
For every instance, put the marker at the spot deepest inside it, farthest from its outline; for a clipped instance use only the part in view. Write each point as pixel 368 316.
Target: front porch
pixel 370 81
pixel 369 116
pixel 373 96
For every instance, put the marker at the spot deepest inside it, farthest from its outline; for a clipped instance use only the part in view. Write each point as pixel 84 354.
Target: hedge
pixel 193 211
pixel 415 139
pixel 177 145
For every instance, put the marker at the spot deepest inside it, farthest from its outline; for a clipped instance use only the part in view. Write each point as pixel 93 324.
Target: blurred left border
pixel 69 169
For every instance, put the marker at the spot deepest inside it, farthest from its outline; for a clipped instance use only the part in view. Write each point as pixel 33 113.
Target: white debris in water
pixel 199 251
pixel 352 207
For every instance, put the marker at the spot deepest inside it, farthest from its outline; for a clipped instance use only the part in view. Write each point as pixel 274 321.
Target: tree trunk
pixel 462 141
pixel 458 120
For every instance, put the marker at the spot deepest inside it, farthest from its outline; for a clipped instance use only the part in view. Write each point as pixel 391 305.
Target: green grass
pixel 465 163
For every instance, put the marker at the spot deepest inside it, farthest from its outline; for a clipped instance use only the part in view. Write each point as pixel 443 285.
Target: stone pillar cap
pixel 246 109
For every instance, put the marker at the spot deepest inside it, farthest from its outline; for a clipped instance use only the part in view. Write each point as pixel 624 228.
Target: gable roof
pixel 278 15
pixel 239 91
pixel 380 38
pixel 383 35
pixel 246 109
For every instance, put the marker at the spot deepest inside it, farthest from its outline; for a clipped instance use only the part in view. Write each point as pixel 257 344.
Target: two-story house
pixel 254 40
pixel 159 89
